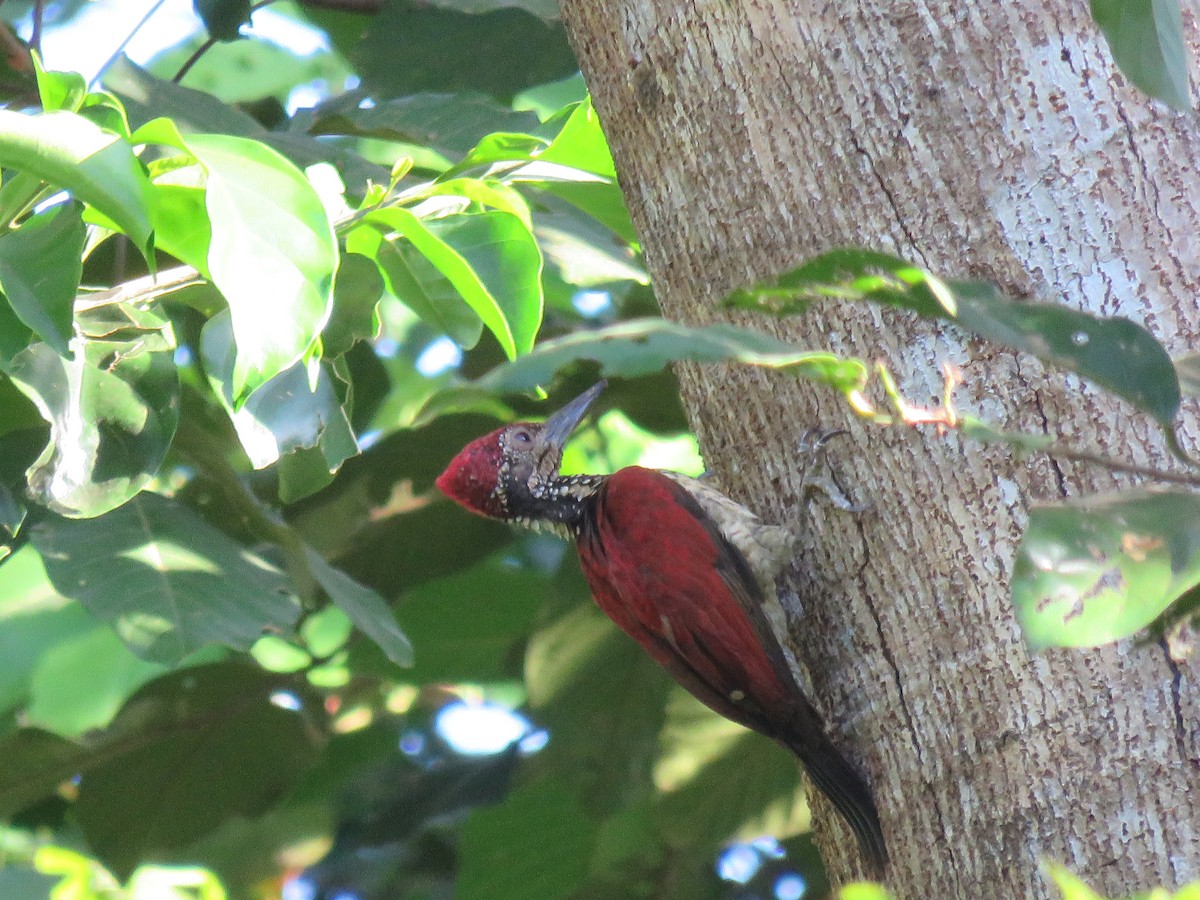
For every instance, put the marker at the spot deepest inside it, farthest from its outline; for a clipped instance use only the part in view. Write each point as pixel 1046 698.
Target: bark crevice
pixel 1181 734
pixel 913 246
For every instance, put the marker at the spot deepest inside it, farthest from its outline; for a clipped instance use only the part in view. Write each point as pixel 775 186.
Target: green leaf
pixel 450 123
pixel 543 9
pixel 488 193
pixel 366 609
pixel 576 166
pixel 192 111
pixel 1101 568
pixel 503 857
pixel 581 144
pixel 625 839
pixel 223 18
pixel 59 90
pixel 640 346
pixel 96 166
pixel 289 413
pixel 548 99
pixel 459 400
pixel 411 48
pixel 1146 39
pixel 250 70
pixel 17 412
pixel 1071 887
pixel 35 764
pixel 81 682
pixel 34 618
pixel 501 147
pixel 506 260
pixel 40 267
pixel 356 294
pixel 600 199
pixel 12 514
pixel 717 781
pixel 112 412
pixel 582 249
pixel 190 751
pixel 147 98
pixel 181 225
pixel 168 581
pixel 1114 352
pixel 415 456
pixel 470 625
pixel 395 553
pixel 599 695
pixel 491 259
pixel 413 280
pixel 14 336
pixel 272 253
pixel 77 871
pixel 107 111
pixel 864 890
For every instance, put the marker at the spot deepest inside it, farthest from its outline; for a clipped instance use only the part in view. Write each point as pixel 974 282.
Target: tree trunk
pixel 993 141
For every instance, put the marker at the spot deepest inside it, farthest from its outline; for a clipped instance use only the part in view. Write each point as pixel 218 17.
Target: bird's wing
pixel 661 569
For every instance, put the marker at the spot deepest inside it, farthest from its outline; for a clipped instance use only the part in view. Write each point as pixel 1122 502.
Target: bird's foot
pixel 812 447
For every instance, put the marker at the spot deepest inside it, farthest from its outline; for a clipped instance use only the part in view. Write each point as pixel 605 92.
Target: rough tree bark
pixel 984 140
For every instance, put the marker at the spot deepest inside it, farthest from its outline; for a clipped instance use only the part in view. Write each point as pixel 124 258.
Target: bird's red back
pixel 658 567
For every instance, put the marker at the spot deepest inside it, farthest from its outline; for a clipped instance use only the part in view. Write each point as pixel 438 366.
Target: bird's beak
pixel 559 426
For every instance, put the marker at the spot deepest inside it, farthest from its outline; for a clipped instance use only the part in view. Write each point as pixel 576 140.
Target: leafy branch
pixel 1091 569
pixel 217 34
pixel 946 417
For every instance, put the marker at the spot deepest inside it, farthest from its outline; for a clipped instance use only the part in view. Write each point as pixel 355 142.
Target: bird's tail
pixel 833 775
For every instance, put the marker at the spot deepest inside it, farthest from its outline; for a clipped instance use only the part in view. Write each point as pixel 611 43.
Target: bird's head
pixel 512 473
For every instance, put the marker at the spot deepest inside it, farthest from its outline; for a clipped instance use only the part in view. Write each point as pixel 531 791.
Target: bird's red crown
pixel 471 477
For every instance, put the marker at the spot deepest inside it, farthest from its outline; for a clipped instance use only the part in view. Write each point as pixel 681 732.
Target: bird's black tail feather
pixel 840 782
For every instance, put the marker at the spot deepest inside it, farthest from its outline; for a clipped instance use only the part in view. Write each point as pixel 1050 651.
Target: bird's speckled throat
pixel 556 505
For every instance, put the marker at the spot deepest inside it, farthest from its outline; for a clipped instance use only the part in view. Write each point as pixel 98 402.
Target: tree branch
pixel 209 44
pixel 35 34
pixel 140 290
pixel 1061 451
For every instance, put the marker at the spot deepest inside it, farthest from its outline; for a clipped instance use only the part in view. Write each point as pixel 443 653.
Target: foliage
pixel 1146 38
pixel 1074 888
pixel 230 594
pixel 1089 570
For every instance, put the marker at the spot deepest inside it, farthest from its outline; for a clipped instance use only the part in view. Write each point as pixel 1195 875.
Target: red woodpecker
pixel 683 570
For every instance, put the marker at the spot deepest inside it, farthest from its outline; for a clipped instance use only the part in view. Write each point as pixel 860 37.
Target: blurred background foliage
pixel 263 271
pixel 203 690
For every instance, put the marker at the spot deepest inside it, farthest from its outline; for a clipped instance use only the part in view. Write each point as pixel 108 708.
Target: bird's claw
pixel 814 440
pixel 812 445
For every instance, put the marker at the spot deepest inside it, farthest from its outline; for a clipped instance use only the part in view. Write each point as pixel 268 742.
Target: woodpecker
pixel 684 570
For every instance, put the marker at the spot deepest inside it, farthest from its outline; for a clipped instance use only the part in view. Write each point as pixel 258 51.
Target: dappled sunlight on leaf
pixel 643 346
pixel 97 166
pixel 113 411
pixel 1115 352
pixel 1101 568
pixel 167 604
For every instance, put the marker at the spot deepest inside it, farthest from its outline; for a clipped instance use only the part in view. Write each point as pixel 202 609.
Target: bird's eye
pixel 522 437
